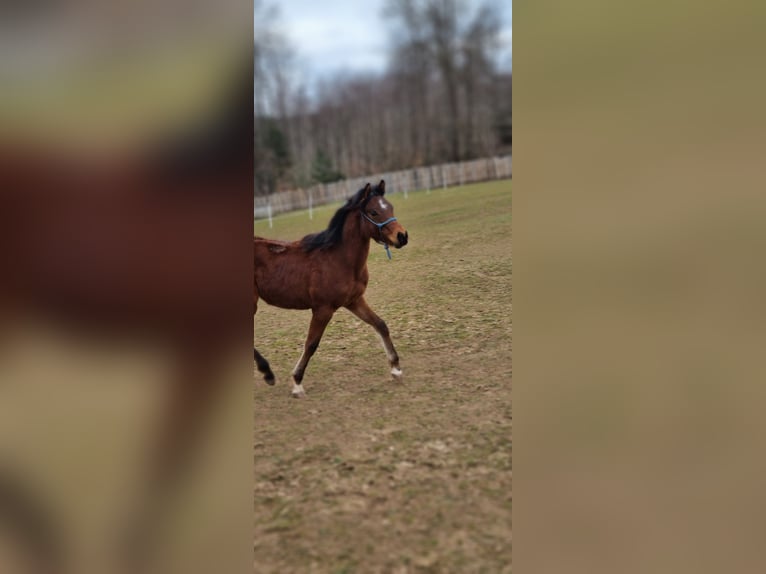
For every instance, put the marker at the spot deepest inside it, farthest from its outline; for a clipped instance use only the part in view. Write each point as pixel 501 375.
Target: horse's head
pixel 379 214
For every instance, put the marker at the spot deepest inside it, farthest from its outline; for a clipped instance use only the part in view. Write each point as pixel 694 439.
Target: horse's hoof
pixel 270 380
pixel 397 375
pixel 298 392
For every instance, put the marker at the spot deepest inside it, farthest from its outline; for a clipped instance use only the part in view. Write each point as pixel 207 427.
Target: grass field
pixel 367 475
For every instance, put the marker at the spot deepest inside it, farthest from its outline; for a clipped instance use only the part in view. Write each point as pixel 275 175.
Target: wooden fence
pixel 425 178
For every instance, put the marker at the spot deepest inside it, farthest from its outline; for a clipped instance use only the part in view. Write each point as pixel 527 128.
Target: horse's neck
pixel 355 247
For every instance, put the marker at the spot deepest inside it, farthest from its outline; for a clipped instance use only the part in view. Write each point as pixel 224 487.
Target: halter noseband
pixel 380 227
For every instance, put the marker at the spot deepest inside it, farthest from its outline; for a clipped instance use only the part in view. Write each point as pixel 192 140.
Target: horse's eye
pixel 373 213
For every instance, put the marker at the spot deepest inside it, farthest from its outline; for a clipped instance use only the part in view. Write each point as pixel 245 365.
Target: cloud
pixel 350 35
pixel 341 35
pixel 506 51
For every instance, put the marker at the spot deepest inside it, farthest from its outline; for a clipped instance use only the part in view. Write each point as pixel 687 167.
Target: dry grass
pixel 366 475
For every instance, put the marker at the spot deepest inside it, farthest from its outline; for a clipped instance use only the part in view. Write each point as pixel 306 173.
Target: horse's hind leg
pixel 263 367
pixel 260 361
pixel 188 405
pixel 361 309
pixel 319 320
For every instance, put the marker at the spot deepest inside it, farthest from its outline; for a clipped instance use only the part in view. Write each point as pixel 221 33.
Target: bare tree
pixel 271 90
pixel 479 44
pixel 442 98
pixel 443 35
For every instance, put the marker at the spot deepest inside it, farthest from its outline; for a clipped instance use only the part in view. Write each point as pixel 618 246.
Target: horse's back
pixel 273 246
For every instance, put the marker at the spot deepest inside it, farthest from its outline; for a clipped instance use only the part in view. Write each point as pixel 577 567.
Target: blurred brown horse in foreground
pixel 154 245
pixel 328 270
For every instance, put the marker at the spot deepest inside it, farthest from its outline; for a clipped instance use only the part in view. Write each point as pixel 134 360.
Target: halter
pixel 380 227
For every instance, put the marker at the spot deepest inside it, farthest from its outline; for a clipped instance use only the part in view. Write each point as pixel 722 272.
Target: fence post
pixel 406 184
pixel 271 223
pixel 444 180
pixel 311 205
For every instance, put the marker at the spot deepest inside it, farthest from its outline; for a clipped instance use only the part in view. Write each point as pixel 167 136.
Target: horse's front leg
pixel 361 309
pixel 319 320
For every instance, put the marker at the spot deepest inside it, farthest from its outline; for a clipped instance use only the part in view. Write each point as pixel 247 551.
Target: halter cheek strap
pixel 380 227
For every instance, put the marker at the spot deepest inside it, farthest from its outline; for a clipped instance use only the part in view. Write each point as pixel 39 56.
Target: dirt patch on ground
pixel 367 475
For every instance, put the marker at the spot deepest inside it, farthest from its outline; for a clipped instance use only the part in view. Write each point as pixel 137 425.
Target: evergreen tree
pixel 322 170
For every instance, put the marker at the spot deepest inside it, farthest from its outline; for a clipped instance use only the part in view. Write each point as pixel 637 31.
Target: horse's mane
pixel 333 235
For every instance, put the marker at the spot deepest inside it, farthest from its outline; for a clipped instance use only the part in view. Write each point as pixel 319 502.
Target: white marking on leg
pixel 389 349
pixel 297 390
pixel 299 365
pixel 396 372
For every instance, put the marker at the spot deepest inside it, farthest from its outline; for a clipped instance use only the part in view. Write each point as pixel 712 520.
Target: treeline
pixel 442 98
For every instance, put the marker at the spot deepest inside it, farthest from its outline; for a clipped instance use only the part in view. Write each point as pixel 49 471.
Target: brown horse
pixel 145 243
pixel 328 270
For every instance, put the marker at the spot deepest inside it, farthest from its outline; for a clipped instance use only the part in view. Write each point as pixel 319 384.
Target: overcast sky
pixel 349 35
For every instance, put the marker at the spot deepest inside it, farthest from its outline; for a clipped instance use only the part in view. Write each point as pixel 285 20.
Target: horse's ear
pixel 366 191
pixel 382 187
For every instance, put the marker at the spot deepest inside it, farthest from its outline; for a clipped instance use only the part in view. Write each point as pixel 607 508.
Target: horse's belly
pixel 284 300
pixel 286 277
pixel 282 285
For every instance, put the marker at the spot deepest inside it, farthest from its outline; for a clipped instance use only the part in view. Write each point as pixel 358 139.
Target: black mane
pixel 333 235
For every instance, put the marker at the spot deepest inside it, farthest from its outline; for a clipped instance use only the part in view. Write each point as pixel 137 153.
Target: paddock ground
pixel 367 475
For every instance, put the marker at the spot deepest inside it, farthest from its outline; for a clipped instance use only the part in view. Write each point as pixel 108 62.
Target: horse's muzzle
pixel 402 238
